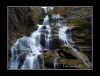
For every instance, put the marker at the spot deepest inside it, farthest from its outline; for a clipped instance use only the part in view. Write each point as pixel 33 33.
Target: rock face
pixel 22 21
pixel 19 20
pixel 73 12
pixel 80 19
pixel 38 14
pixel 83 39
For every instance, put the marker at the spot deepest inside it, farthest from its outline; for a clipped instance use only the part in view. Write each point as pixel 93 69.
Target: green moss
pixel 65 49
pixel 36 19
pixel 30 30
pixel 76 22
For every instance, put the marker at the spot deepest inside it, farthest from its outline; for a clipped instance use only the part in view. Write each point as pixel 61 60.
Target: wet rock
pixel 56 43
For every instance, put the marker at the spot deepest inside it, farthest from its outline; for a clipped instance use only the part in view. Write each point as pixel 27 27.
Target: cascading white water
pixel 66 39
pixel 45 9
pixel 31 62
pixel 25 45
pixel 63 36
pixel 46 20
pixel 36 36
pixel 48 32
pixel 32 44
pixel 48 37
pixel 33 47
pixel 30 47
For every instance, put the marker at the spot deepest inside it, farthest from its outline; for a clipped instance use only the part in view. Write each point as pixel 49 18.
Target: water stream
pixel 27 51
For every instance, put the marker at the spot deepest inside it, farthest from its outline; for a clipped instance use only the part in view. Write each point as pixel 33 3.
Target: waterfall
pixel 66 39
pixel 48 37
pixel 31 62
pixel 48 32
pixel 30 48
pixel 36 35
pixel 45 9
pixel 24 54
pixel 27 50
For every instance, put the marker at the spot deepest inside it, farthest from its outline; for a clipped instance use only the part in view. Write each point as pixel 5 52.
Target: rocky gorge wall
pixel 80 19
pixel 22 21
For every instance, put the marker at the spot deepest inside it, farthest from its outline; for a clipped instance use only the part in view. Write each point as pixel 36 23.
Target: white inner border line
pixel 52 6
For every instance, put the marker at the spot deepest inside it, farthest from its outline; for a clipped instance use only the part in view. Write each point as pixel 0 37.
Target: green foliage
pixel 37 18
pixel 65 49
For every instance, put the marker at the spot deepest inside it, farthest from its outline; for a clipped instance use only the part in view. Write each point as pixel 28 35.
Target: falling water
pixel 45 9
pixel 48 37
pixel 30 46
pixel 26 50
pixel 48 32
pixel 31 62
pixel 24 53
pixel 36 35
pixel 66 39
